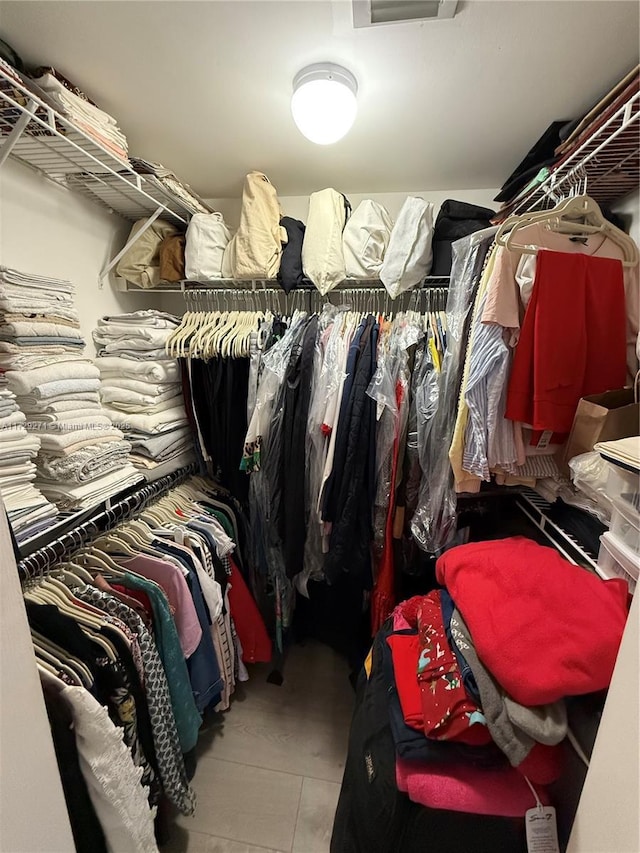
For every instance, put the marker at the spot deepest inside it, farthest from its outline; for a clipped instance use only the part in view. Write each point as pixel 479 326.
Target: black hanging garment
pixel 290 274
pixel 349 493
pixel 455 219
pixel 297 385
pixel 219 389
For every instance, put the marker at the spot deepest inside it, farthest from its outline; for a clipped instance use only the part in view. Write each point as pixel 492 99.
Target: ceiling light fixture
pixel 324 103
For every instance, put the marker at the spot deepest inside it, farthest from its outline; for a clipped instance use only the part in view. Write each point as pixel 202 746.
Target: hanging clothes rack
pixel 37 563
pixel 365 295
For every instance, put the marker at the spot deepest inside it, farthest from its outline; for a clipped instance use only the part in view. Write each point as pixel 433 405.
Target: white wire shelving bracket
pixel 42 138
pixel 609 159
pixel 537 509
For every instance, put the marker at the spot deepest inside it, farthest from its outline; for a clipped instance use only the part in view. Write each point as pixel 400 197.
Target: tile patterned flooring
pixel 269 770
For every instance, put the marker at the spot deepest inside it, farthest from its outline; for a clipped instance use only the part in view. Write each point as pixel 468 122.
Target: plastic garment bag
pixel 392 370
pixel 325 378
pixel 434 523
pixel 265 436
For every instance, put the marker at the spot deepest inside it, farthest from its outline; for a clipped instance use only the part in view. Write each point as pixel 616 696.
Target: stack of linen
pixel 82 458
pixel 141 389
pixel 29 512
pixel 75 106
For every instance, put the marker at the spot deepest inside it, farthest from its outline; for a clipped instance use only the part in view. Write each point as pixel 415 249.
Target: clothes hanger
pixel 45 667
pixel 73 573
pixel 209 323
pixel 562 219
pixel 112 544
pixel 55 666
pixel 60 657
pixel 96 560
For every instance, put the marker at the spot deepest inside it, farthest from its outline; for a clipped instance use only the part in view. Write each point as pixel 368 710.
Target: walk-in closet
pixel 319 426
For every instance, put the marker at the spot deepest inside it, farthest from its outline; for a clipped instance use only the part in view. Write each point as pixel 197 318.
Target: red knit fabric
pixel 256 645
pixel 573 339
pixel 421 707
pixel 542 626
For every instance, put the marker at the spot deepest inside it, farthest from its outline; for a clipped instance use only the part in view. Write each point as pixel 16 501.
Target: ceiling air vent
pixel 372 13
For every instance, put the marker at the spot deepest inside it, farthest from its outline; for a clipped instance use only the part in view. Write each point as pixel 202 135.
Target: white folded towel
pixel 113 395
pixel 62 387
pixel 125 336
pixel 147 317
pixel 63 441
pixel 13 419
pixel 66 404
pixel 11 276
pixel 91 412
pixel 148 388
pixel 145 408
pixel 157 371
pixel 24 328
pixel 69 494
pixel 157 423
pixel 27 444
pixel 64 425
pixel 25 382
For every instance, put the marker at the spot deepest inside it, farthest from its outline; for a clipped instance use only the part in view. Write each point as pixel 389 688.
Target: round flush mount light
pixel 324 103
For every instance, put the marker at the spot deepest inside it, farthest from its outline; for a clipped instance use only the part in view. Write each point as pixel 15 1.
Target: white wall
pixel 607 819
pixel 297 206
pixel 49 230
pixel 33 814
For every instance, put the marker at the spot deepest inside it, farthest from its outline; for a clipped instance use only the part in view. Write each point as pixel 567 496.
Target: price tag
pixel 542 832
pixel 545 439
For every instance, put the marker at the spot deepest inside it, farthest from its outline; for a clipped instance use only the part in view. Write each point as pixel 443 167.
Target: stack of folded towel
pixel 82 112
pixel 80 454
pixel 29 512
pixel 37 315
pixel 142 391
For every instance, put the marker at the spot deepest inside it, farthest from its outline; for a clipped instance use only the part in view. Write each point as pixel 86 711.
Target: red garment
pixel 417 707
pixel 449 714
pixel 138 594
pixel 573 339
pixel 544 764
pixel 463 787
pixel 256 644
pixel 405 651
pixel 543 627
pixel 383 595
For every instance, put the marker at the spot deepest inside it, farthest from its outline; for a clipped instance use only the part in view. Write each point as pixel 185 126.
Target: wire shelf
pixel 42 138
pixel 536 508
pixel 609 158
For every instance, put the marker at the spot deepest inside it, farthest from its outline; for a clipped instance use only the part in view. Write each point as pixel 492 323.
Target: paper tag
pixel 545 438
pixel 542 832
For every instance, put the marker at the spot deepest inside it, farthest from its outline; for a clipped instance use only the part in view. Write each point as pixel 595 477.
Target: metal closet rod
pixel 429 295
pixel 39 561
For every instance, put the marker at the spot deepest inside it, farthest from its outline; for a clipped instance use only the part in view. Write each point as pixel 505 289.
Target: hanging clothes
pixel 152 636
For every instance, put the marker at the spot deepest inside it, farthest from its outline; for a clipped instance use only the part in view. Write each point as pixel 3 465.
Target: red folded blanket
pixel 543 627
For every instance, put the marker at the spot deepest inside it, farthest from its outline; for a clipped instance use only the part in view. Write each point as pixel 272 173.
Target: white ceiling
pixel 204 87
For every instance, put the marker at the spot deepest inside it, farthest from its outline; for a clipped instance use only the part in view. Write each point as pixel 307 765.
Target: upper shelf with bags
pixel 336 245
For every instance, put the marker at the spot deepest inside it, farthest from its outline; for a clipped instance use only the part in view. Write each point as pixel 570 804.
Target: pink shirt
pixel 175 587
